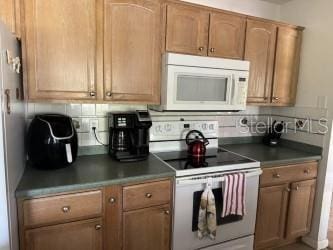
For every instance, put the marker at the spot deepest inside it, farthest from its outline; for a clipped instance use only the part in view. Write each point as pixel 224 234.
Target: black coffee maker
pixel 129 135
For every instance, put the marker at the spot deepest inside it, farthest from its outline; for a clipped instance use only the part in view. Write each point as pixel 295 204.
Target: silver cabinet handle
pixel 212 50
pixel 167 212
pixel 98 227
pixel 277 176
pixel 92 94
pixel 288 189
pixel 112 200
pixel 66 209
pixel 148 195
pixel 201 48
pixel 276 98
pixel 108 94
pixel 297 187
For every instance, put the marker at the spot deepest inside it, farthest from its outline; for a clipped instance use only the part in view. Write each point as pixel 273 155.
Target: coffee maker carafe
pixel 129 135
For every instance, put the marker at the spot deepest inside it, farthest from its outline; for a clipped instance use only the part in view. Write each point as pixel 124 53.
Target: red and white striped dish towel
pixel 234 195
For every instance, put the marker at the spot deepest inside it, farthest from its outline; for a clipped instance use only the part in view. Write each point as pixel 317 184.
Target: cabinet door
pixel 300 208
pixel 83 235
pixel 286 66
pixel 226 35
pixel 113 217
pixel 7 13
pixel 147 229
pixel 187 30
pixel 271 215
pixel 60 49
pixel 260 51
pixel 132 50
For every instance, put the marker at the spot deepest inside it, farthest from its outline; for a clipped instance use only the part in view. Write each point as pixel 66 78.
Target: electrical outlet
pixel 93 123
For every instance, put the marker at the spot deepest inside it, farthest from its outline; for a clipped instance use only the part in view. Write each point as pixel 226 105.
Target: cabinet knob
pixel 212 50
pixel 92 93
pixel 306 171
pixel 167 212
pixel 201 48
pixel 276 98
pixel 297 187
pixel 288 189
pixel 98 227
pixel 276 175
pixel 112 200
pixel 66 209
pixel 148 195
pixel 108 94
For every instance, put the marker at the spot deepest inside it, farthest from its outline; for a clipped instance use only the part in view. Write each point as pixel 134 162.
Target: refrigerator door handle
pixel 7 94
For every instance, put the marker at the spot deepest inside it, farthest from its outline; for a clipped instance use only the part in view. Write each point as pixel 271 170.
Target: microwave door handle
pixel 232 90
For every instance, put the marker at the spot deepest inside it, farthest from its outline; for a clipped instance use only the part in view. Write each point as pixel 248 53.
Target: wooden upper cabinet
pixel 286 66
pixel 147 228
pixel 60 49
pixel 187 30
pixel 300 208
pixel 260 51
pixel 271 215
pixel 83 235
pixel 132 50
pixel 8 13
pixel 226 35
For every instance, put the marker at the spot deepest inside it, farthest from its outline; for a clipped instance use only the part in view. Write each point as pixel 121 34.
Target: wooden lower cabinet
pixel 99 219
pixel 139 216
pixel 147 228
pixel 273 202
pixel 285 204
pixel 300 208
pixel 82 235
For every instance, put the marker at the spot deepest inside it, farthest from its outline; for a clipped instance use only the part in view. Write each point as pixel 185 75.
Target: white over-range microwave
pixel 196 83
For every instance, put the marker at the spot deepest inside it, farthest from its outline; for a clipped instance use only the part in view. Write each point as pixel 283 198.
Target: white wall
pixel 250 7
pixel 316 90
pixel 317 55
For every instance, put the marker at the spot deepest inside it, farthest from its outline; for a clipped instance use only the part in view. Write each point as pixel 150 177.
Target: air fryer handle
pixel 69 155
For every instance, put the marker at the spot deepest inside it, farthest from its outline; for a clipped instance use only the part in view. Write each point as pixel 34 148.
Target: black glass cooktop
pixel 180 160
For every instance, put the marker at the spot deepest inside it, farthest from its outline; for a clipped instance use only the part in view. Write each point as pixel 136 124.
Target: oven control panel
pixel 177 130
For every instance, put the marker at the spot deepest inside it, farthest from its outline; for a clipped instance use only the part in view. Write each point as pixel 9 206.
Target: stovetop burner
pixel 215 158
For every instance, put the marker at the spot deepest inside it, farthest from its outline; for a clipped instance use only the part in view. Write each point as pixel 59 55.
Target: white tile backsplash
pixel 102 109
pixel 74 110
pixel 229 122
pixel 88 109
pixel 50 108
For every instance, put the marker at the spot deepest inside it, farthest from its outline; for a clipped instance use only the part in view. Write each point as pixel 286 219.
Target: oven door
pixel 195 88
pixel 187 198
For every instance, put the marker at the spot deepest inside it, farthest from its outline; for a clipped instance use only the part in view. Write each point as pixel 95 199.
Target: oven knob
pixel 211 126
pixel 204 126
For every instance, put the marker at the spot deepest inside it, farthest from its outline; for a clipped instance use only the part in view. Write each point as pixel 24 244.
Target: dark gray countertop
pixel 91 171
pixel 271 156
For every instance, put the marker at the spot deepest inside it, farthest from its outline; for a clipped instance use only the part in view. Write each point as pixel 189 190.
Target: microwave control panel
pixel 242 83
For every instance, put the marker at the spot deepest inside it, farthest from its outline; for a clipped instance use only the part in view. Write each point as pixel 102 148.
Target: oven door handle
pixel 214 177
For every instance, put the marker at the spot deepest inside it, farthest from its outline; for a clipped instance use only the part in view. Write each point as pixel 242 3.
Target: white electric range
pixel 167 142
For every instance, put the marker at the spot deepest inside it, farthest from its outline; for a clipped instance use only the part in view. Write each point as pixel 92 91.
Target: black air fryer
pixel 52 141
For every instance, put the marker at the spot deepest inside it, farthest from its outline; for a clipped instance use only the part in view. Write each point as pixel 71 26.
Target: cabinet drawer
pixel 62 208
pixel 290 173
pixel 146 195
